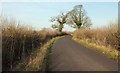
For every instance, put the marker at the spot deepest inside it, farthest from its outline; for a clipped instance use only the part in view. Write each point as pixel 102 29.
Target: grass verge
pixel 38 59
pixel 111 53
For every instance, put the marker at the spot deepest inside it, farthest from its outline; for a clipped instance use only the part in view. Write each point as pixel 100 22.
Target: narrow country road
pixel 68 55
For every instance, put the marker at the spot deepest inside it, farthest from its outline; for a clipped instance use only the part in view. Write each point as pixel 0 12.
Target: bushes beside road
pixel 18 41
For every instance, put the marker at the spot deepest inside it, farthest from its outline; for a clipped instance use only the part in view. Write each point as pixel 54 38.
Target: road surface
pixel 68 55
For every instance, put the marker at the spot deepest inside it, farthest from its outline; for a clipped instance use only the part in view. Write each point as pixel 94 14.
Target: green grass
pixel 111 53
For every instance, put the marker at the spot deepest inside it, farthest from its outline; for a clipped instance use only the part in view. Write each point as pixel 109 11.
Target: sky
pixel 38 14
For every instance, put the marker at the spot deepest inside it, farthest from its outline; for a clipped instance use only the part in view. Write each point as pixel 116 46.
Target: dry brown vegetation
pixel 104 40
pixel 18 42
pixel 107 36
pixel 38 60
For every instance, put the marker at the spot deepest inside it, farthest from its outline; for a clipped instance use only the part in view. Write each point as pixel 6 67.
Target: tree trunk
pixel 79 26
pixel 60 27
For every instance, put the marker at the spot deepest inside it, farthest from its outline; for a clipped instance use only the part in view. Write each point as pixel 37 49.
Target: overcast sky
pixel 38 14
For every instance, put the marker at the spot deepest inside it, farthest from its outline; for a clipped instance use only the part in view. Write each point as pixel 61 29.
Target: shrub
pixel 106 36
pixel 19 41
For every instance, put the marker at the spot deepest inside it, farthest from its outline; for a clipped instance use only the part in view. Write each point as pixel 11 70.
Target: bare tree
pixel 55 26
pixel 77 17
pixel 60 20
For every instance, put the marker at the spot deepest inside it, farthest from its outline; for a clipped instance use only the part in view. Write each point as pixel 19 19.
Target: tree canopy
pixel 59 21
pixel 77 17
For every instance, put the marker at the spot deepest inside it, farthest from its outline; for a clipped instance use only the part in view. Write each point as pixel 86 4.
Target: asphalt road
pixel 68 55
